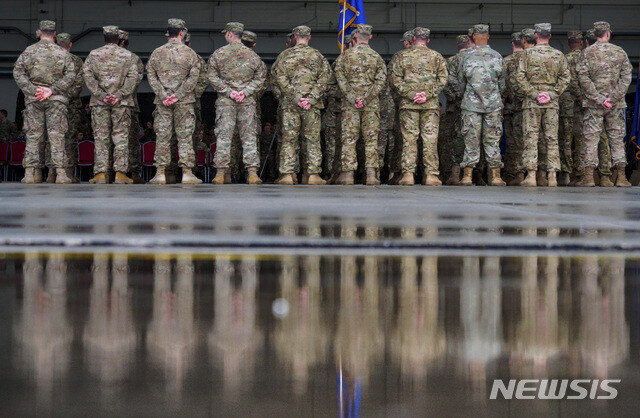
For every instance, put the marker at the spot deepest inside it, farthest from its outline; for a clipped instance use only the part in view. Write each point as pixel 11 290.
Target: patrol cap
pixel 177 24
pixel 348 38
pixel 602 26
pixel 249 36
pixel 63 38
pixel 529 35
pixel 302 30
pixel 590 35
pixel 462 39
pixel 574 35
pixel 187 38
pixel 234 27
pixel 48 25
pixel 363 29
pixel 123 35
pixel 421 32
pixel 110 30
pixel 542 27
pixel 470 32
pixel 407 36
pixel 516 36
pixel 481 28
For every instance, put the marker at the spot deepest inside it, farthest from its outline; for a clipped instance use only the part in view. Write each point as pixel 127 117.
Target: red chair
pixel 148 154
pixel 4 158
pixel 86 156
pixel 16 154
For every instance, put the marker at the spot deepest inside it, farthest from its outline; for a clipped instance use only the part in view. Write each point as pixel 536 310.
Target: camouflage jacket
pixel 481 76
pixel 8 131
pixel 511 99
pixel 333 112
pixel 173 68
pixel 302 72
pixel 451 89
pixel 234 67
pixel 203 78
pixel 361 72
pixel 387 110
pixel 418 69
pixel 604 72
pixel 45 64
pixel 78 84
pixel 571 96
pixel 111 70
pixel 542 68
pixel 140 67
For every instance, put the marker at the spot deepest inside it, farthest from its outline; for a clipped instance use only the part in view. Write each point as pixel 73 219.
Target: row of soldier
pixel 374 112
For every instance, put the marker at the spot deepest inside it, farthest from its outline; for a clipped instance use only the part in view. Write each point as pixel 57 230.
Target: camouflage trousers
pixel 386 145
pixel 451 140
pixel 331 149
pixel 300 125
pixel 395 159
pixel 74 118
pixel 612 122
pixel 416 124
pixel 134 143
pixel 227 118
pixel 179 120
pixel 540 125
pixel 604 152
pixel 514 143
pixel 45 120
pixel 111 126
pixel 365 121
pixel 567 134
pixel 481 130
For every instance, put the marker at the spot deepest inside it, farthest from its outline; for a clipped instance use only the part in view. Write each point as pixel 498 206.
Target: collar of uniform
pixel 46 40
pixel 174 40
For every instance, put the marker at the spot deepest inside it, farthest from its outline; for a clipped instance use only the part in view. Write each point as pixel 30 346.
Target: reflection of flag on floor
pixel 351 14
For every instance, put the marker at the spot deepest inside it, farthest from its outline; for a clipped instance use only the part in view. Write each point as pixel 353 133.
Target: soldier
pixel 361 75
pixel 45 72
pixel 543 75
pixel 418 76
pixel 173 71
pixel 386 140
pixel 237 74
pixel 111 74
pixel 134 144
pixel 395 158
pixel 513 115
pixel 481 78
pixel 8 129
pixel 452 148
pixel 303 75
pixel 568 132
pixel 604 72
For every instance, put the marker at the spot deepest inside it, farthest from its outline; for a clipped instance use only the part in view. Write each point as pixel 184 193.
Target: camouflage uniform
pixel 452 144
pixel 331 121
pixel 174 68
pixel 8 131
pixel 481 78
pixel 45 64
pixel 419 69
pixel 386 140
pixel 512 117
pixel 111 70
pixel 604 72
pixel 542 68
pixel 235 67
pixel 569 106
pixel 134 142
pixel 301 72
pixel 361 73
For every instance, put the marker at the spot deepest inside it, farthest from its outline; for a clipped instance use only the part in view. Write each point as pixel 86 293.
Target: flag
pixel 635 127
pixel 351 14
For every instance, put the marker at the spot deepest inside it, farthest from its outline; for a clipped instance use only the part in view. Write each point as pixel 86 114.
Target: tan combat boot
pixel 394 179
pixel 519 178
pixel 252 176
pixel 467 177
pixel 407 179
pixel 100 178
pixel 494 177
pixel 345 178
pixel 551 179
pixel 30 175
pixel 72 175
pixel 285 180
pixel 62 176
pixel 220 177
pixel 587 179
pixel 621 180
pixel 121 178
pixel 454 176
pixel 605 181
pixel 189 178
pixel 530 180
pixel 431 180
pixel 372 177
pixel 541 178
pixel 51 176
pixel 160 177
pixel 315 180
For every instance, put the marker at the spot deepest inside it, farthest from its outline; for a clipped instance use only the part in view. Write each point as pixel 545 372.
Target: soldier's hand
pixel 304 103
pixel 43 93
pixel 420 97
pixel 607 104
pixel 359 103
pixel 239 97
pixel 108 99
pixel 543 97
pixel 169 100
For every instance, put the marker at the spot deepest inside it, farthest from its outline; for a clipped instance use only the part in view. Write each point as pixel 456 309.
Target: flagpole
pixel 344 17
